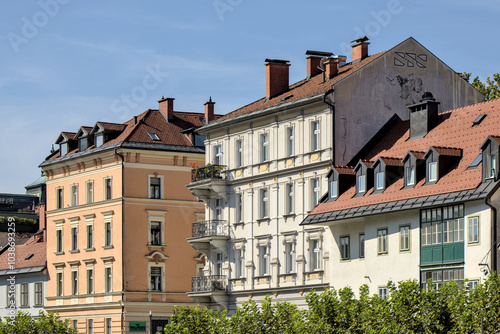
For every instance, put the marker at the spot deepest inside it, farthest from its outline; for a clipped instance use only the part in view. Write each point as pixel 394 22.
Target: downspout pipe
pixel 327 101
pixel 123 246
pixel 494 231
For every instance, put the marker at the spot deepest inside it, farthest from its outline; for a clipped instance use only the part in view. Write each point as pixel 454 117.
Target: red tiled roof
pixel 112 126
pixel 35 245
pixel 392 161
pixel 453 133
pixel 302 89
pixel 345 170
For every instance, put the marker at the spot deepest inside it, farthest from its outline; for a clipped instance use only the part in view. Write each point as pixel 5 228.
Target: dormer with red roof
pixel 439 160
pixel 364 177
pixel 414 168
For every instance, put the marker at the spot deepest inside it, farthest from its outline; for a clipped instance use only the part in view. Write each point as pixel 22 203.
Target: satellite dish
pixel 322 66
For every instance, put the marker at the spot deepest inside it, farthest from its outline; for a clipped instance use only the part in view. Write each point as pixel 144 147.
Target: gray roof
pixel 22 270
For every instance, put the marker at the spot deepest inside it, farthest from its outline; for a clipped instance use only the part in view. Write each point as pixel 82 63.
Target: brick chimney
pixel 359 49
pixel 332 66
pixel 314 61
pixel 209 110
pixel 423 116
pixel 166 107
pixel 276 76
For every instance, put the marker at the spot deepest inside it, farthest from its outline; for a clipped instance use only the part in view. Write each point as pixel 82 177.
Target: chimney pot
pixel 277 72
pixel 166 107
pixel 209 110
pixel 359 49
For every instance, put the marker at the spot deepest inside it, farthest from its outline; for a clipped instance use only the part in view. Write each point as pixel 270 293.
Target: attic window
pixel 63 149
pixel 432 171
pixel 361 183
pixel 29 256
pixel 410 175
pixel 99 139
pixel 478 120
pixel 154 136
pixel 83 143
pixel 476 162
pixel 491 163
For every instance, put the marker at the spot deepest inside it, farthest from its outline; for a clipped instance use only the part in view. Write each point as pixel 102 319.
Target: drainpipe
pixel 123 247
pixel 332 108
pixel 494 232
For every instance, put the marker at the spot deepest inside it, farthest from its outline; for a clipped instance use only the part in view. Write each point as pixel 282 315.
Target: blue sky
pixel 67 63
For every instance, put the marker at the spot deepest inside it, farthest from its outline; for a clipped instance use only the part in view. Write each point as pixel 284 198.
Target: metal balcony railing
pixel 209 228
pixel 208 283
pixel 208 172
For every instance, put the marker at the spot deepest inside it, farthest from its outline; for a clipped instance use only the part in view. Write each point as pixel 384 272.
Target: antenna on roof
pixel 52 149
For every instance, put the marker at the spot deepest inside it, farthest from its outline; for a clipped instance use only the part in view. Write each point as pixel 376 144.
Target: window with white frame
pixel 108 324
pixel 379 182
pixel 315 255
pixel 74 237
pixel 491 163
pixel 361 183
pixel 89 192
pixel 382 241
pixel 74 324
pixel 108 279
pixel 90 326
pixel 264 147
pixel 156 279
pixel 217 154
pixel 59 239
pixel 432 171
pixel 315 192
pixel 59 283
pixel 24 294
pixel 107 234
pixel 239 208
pixel 289 141
pixel 90 280
pixel 404 238
pixel 333 189
pixel 410 176
pixel 156 227
pixel 345 248
pixel 156 239
pixel 38 294
pixel 90 235
pixel 63 149
pixel 99 138
pixel 74 281
pixel 264 260
pixel 264 203
pixel 218 209
pixel 315 136
pixel 473 230
pixel 59 198
pixel 219 260
pixel 239 153
pixel 382 292
pixel 362 246
pixel 289 257
pixel 155 188
pixel 289 199
pixel 107 188
pixel 74 195
pixel 83 142
pixel 238 262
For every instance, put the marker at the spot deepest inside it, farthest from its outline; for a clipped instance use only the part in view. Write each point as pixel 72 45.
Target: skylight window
pixel 476 162
pixel 478 120
pixel 29 256
pixel 154 136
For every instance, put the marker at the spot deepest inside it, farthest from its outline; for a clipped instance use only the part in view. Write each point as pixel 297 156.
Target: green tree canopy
pixel 490 89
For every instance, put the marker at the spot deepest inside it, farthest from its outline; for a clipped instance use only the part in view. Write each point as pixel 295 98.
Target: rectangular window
pixel 99 139
pixel 289 257
pixel 24 294
pixel 473 228
pixel 315 136
pixel 382 292
pixel 491 163
pixel 90 192
pixel 239 153
pixel 219 260
pixel 90 326
pixel 74 324
pixel 217 155
pixel 83 142
pixel 436 233
pixel 459 230
pixel 108 326
pixel 361 183
pixel 379 181
pixel 315 255
pixel 289 141
pixel 74 282
pixel 74 238
pixel 108 279
pixel 156 233
pixel 361 246
pixel 107 188
pixel 239 262
pixel 107 234
pixel 404 238
pixel 156 279
pixel 90 281
pixel 426 234
pixel 90 236
pixel 59 284
pixel 154 187
pixel 289 199
pixel 74 195
pixel 382 241
pixel 315 192
pixel 264 147
pixel 264 203
pixel 218 209
pixel 59 241
pixel 345 249
pixel 38 294
pixel 59 194
pixel 63 149
pixel 264 260
pixel 448 231
pixel 432 171
pixel 333 189
pixel 410 176
pixel 239 208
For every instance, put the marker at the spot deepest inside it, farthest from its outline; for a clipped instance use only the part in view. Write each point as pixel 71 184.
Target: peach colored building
pixel 118 215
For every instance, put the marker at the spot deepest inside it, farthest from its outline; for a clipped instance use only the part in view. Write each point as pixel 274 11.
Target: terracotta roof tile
pixel 35 245
pixel 345 170
pixel 453 132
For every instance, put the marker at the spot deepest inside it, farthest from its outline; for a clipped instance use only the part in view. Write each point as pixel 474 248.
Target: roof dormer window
pixel 340 179
pixel 63 149
pixel 83 143
pixel 364 177
pixel 440 160
pixel 491 163
pixel 490 149
pixel 334 189
pixel 99 139
pixel 432 172
pixel 414 168
pixel 379 181
pixel 361 183
pixel 410 176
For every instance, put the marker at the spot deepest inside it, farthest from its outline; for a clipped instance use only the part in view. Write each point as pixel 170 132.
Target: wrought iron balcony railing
pixel 208 283
pixel 208 172
pixel 209 228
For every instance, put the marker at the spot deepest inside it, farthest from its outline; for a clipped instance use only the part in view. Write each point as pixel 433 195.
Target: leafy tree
pixel 46 323
pixel 490 89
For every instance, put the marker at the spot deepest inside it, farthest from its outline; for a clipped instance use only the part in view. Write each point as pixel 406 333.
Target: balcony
pixel 209 233
pixel 208 181
pixel 210 290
